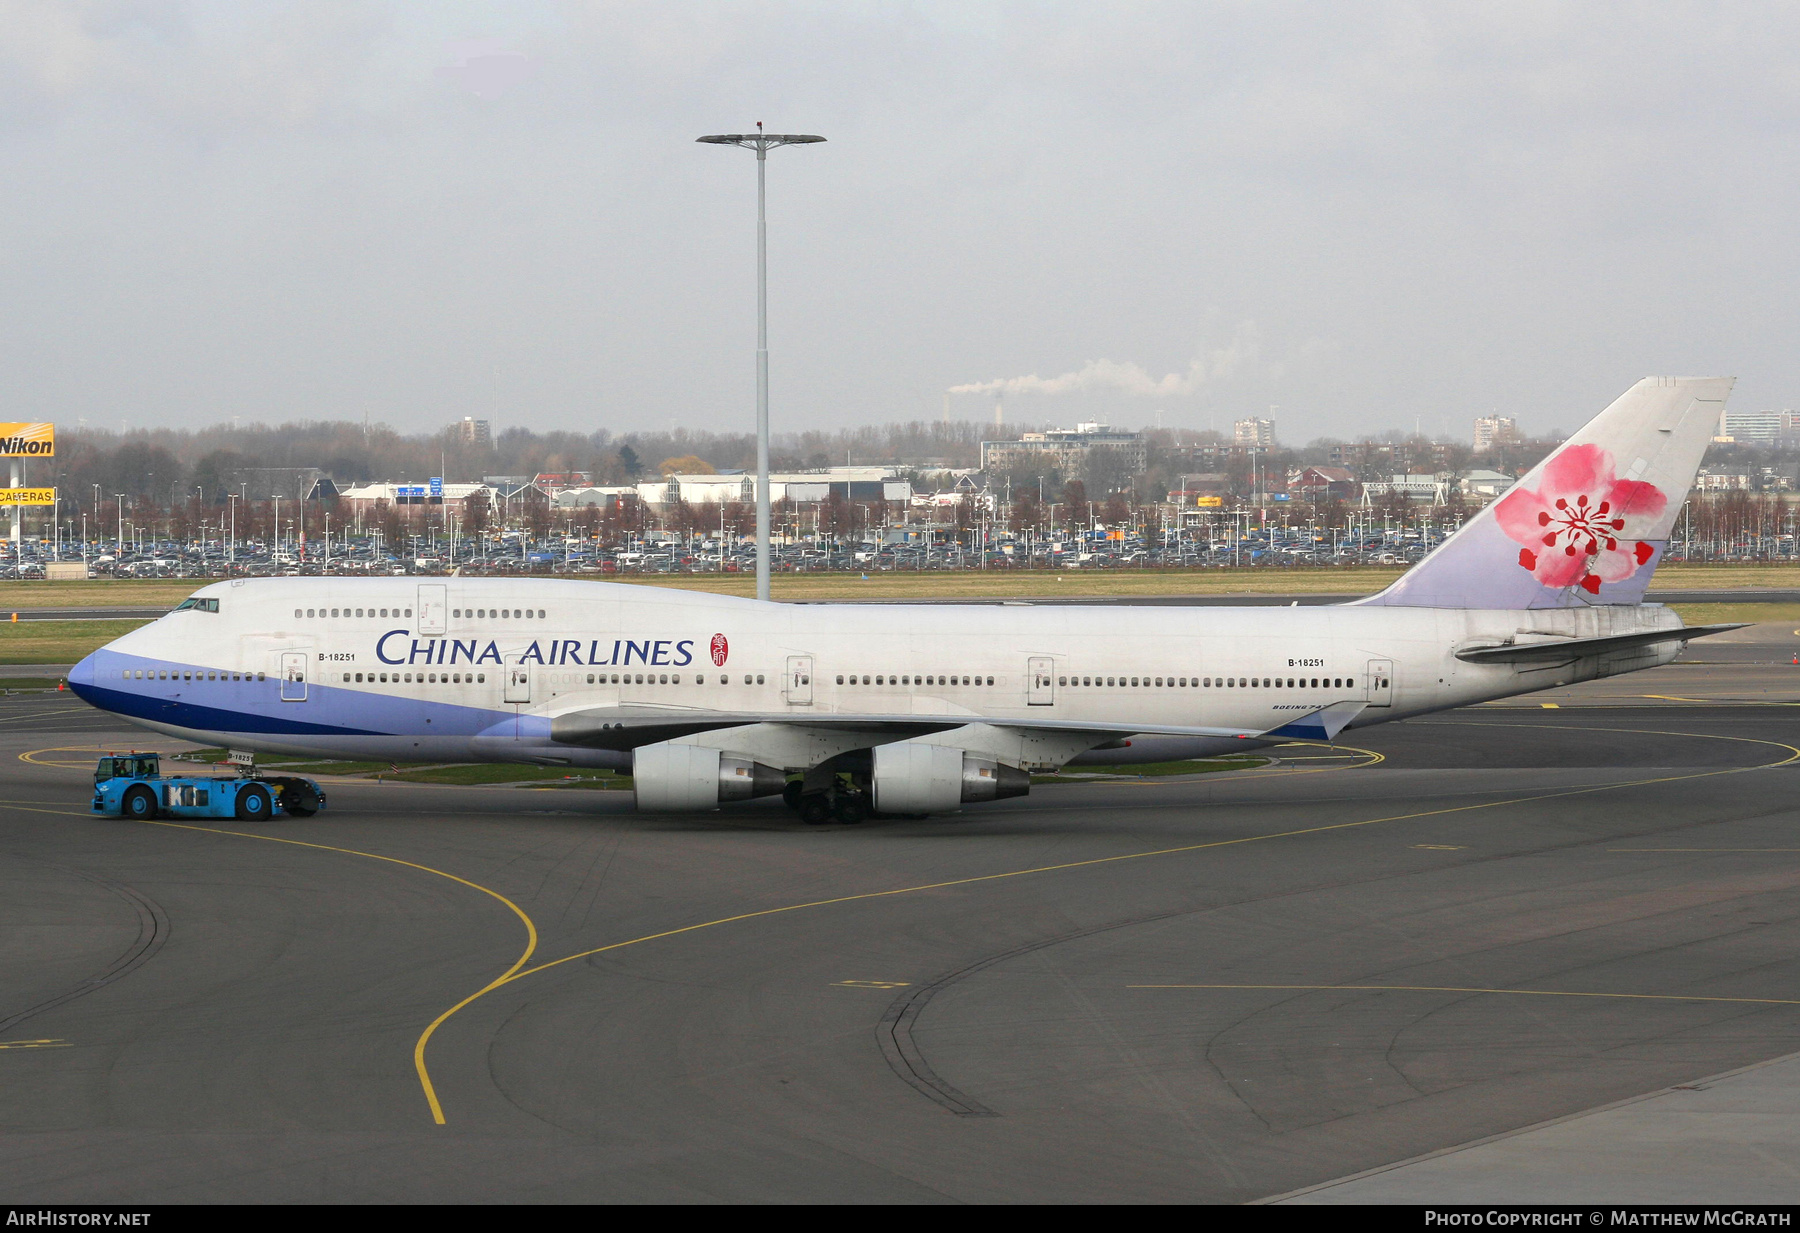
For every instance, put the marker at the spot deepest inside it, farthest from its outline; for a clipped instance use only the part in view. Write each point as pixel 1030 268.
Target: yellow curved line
pixel 531 933
pixel 531 941
pixel 31 755
pixel 1537 993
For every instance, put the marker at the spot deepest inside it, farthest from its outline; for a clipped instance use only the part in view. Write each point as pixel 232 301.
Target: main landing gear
pixel 839 803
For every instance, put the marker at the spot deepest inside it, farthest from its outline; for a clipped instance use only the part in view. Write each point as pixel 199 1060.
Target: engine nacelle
pixel 672 778
pixel 910 777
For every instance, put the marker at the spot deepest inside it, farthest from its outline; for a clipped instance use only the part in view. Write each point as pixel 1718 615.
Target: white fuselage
pixel 471 669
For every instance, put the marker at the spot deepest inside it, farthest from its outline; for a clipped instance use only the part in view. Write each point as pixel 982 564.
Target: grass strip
pixel 58 642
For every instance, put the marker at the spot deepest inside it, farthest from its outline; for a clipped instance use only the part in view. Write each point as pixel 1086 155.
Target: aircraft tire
pixel 253 804
pixel 850 810
pixel 138 802
pixel 815 809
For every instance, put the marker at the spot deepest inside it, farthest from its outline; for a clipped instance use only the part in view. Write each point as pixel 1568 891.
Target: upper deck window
pixel 197 604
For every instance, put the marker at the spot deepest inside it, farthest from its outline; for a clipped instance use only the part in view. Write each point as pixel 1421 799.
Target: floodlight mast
pixel 762 143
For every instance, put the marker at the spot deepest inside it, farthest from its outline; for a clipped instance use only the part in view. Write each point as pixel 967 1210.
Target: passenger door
pixel 518 683
pixel 432 608
pixel 796 683
pixel 293 676
pixel 1042 675
pixel 1381 682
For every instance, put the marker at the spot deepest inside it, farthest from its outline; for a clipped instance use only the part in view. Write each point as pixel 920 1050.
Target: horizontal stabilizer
pixel 1323 724
pixel 1557 650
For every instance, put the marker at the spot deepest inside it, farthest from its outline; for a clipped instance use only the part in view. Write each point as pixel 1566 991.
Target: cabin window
pixel 456 612
pixel 408 612
pixel 663 679
pixel 346 676
pixel 432 679
pixel 296 613
pixel 540 614
pixel 759 678
pixel 309 612
pixel 481 678
pixel 259 676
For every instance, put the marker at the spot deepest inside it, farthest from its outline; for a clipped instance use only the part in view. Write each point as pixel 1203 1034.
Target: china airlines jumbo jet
pixel 911 709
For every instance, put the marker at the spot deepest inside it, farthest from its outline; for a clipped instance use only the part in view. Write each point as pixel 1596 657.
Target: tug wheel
pixel 138 802
pixel 253 804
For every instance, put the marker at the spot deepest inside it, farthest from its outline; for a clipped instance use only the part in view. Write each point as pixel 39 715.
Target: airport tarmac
pixel 1434 959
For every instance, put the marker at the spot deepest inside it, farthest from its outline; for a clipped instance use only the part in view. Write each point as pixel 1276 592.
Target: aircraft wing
pixel 1557 650
pixel 627 727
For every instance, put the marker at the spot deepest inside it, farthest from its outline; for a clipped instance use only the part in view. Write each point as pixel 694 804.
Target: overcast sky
pixel 1366 215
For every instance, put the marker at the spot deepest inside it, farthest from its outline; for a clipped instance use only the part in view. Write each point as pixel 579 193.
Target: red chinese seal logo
pixel 720 649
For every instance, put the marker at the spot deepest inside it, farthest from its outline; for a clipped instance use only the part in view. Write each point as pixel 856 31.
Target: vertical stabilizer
pixel 1589 523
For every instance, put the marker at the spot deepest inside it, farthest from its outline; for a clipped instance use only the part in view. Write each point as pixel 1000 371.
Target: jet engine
pixel 915 778
pixel 672 778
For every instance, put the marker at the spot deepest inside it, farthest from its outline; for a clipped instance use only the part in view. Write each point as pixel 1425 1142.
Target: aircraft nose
pixel 82 674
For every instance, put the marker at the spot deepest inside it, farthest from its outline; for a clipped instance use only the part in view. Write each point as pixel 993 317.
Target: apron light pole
pixel 762 143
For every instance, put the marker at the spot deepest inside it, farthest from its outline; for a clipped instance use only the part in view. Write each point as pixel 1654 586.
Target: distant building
pixel 1323 483
pixel 1205 456
pixel 1759 428
pixel 1391 457
pixel 1492 431
pixel 622 496
pixel 1255 434
pixel 554 482
pixel 408 496
pixel 1482 485
pixel 478 433
pixel 1721 481
pixel 1412 487
pixel 1065 449
pixel 801 487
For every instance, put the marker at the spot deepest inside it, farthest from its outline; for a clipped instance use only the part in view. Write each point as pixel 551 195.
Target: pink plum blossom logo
pixel 1573 527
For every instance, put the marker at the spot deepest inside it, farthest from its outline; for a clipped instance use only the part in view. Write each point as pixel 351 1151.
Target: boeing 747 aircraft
pixel 910 709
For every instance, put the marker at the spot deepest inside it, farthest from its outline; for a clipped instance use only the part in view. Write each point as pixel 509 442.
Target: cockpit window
pixel 198 604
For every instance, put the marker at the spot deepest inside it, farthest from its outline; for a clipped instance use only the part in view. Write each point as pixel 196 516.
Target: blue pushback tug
pixel 133 786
